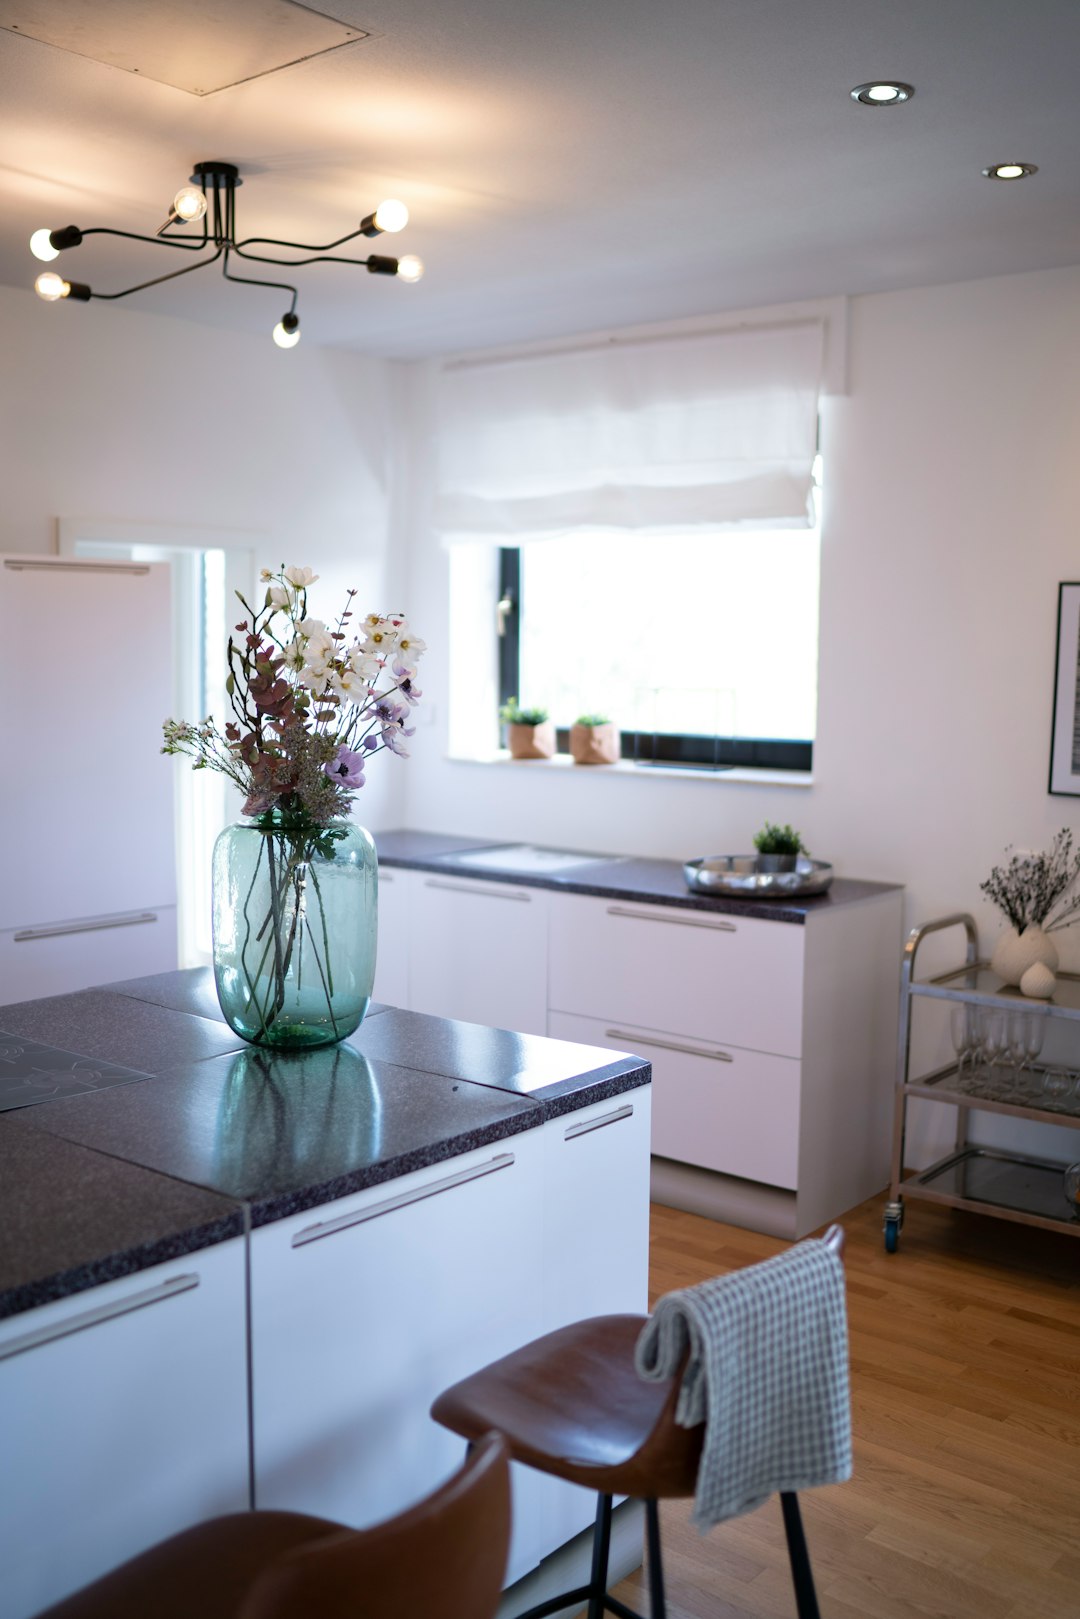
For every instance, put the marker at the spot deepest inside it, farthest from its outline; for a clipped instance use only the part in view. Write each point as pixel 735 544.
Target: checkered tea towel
pixel 767 1373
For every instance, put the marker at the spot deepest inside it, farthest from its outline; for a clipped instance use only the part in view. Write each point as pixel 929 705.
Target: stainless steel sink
pixel 525 858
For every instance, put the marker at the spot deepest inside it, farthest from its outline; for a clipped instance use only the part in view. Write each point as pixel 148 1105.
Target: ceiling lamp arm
pixel 301 247
pixel 319 258
pixel 172 275
pixel 168 241
pixel 250 281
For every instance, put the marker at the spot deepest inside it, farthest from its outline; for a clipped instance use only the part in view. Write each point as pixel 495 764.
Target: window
pixel 702 648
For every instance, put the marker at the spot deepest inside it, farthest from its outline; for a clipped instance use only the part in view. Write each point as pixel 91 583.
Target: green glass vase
pixel 295 921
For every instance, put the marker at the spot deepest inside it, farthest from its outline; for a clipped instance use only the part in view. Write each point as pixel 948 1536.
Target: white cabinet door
pixel 716 1106
pixel 596 1242
pixel 710 976
pixel 123 1419
pixel 367 1308
pixel 110 626
pixel 479 952
pixel 60 957
pixel 392 955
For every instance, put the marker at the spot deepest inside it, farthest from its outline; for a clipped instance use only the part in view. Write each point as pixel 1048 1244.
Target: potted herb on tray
pixel 778 848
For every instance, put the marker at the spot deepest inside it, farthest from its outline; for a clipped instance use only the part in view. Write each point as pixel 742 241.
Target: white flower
pixel 363 664
pixel 349 685
pixel 300 578
pixel 381 638
pixel 315 676
pixel 294 655
pixel 279 596
pixel 409 646
pixel 265 575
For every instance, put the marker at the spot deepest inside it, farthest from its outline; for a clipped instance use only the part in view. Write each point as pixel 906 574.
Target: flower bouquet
pixel 1030 891
pixel 295 886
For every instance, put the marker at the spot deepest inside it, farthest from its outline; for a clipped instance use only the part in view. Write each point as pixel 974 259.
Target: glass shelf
pixel 949 1085
pixel 982 986
pixel 1027 1189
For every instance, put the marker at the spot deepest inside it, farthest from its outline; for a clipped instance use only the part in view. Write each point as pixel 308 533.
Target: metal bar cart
pixel 1009 1185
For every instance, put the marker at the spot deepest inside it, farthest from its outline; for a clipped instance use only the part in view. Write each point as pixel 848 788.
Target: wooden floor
pixel 965 1504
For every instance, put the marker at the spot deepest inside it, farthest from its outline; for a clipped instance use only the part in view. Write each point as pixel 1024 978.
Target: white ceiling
pixel 572 164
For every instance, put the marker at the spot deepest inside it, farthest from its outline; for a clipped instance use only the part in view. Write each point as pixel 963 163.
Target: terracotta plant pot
pixel 531 741
pixel 594 744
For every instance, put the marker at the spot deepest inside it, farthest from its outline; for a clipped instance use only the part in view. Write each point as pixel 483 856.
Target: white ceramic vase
pixel 1015 952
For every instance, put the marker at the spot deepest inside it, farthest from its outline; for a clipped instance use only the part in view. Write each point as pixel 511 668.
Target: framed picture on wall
pixel 1065 737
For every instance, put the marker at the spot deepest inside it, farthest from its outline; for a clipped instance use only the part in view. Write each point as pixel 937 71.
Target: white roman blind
pixel 662 434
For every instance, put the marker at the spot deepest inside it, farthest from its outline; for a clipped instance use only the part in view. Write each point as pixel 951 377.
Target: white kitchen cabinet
pixel 478 952
pixel 720 1107
pixel 63 956
pixel 125 1420
pixel 596 1242
pixel 116 857
pixel 659 967
pixel 392 952
pixel 363 1310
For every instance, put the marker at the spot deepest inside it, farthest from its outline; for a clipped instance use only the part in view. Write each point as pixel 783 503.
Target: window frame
pixel 671 751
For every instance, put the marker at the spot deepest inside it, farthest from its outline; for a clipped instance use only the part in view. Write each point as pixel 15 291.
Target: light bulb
pixel 41 247
pixel 189 203
pixel 391 215
pixel 51 286
pixel 883 92
pixel 286 337
pixel 410 268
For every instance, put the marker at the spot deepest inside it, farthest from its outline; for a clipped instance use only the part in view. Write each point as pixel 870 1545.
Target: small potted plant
pixel 594 740
pixel 529 732
pixel 778 848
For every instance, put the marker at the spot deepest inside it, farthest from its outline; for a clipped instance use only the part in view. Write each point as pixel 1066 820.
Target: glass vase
pixel 295 921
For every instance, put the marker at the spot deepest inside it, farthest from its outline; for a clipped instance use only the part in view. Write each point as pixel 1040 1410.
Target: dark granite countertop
pixel 646 881
pixel 219 1134
pixel 73 1218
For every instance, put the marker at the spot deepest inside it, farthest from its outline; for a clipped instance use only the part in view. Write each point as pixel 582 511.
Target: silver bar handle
pixel 76 567
pixel 129 920
pixel 587 1125
pixel 669 1045
pixel 676 921
pixel 103 1312
pixel 484 893
pixel 344 1222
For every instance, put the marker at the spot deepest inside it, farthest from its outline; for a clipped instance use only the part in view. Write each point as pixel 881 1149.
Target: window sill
pixel 627 767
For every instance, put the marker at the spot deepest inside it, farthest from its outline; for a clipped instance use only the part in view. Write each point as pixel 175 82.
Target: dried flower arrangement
pixel 1029 886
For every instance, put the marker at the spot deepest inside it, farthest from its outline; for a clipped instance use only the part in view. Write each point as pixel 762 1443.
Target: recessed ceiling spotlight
pixel 1010 171
pixel 882 93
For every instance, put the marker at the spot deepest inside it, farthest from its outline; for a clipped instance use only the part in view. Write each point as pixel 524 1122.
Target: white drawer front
pixel 58 958
pixel 654 967
pixel 719 1107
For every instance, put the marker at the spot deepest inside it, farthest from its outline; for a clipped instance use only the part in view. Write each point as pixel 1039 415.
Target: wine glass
pixel 965 1039
pixel 1057 1087
pixel 995 1045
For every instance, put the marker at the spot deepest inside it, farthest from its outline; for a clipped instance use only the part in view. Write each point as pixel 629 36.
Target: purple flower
pixel 405 678
pixel 346 769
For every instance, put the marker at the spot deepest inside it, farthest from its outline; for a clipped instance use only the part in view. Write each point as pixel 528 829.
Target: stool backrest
pixel 442 1559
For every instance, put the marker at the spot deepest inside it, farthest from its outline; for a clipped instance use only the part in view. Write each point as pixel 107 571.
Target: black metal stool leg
pixel 657 1606
pixel 801 1573
pixel 601 1551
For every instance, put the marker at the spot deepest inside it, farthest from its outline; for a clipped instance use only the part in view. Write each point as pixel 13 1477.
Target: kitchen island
pixel 230 1278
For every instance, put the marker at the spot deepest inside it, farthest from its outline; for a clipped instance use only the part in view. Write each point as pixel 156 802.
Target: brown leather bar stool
pixel 444 1559
pixel 572 1404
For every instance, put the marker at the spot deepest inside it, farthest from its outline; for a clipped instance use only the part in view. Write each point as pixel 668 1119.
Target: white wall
pixel 110 412
pixel 952 511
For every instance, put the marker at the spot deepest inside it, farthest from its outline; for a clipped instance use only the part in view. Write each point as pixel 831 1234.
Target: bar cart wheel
pixel 894 1219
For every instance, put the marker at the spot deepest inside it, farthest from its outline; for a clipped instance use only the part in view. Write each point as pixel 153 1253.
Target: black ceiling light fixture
pixel 882 93
pixel 211 197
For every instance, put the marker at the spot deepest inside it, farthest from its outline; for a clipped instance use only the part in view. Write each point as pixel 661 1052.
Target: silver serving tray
pixel 738 874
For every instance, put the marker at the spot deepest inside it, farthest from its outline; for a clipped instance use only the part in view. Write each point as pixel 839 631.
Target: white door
pixel 392 955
